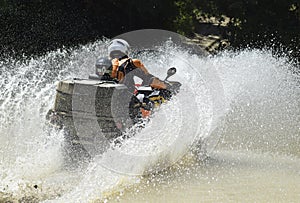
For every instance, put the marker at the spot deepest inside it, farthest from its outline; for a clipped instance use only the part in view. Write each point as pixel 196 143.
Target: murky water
pixel 258 133
pixel 227 176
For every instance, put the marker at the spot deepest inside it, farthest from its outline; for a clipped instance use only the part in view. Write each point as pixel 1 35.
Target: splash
pixel 259 112
pixel 30 151
pixel 263 92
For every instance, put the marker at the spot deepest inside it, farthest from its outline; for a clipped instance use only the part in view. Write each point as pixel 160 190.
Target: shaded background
pixel 34 27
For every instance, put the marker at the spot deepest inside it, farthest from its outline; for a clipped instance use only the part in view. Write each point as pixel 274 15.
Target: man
pixel 124 68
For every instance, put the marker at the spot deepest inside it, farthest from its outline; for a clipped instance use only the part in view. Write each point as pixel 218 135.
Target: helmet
pixel 103 65
pixel 118 48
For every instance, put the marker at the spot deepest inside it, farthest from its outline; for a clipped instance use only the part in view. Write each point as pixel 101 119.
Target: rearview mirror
pixel 170 72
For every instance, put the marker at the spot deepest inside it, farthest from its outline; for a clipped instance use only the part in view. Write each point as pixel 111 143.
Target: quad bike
pixel 146 98
pixel 91 120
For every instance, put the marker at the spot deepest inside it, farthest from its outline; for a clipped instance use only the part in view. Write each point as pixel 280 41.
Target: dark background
pixel 34 27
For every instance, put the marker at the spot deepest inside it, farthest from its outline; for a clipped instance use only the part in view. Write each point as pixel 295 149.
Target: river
pixel 245 104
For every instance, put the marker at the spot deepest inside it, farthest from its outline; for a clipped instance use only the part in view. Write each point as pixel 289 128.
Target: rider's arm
pixel 114 73
pixel 148 78
pixel 142 71
pixel 137 63
pixel 115 65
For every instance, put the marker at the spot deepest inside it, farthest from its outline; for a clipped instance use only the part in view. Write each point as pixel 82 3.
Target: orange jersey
pixel 116 73
pixel 116 63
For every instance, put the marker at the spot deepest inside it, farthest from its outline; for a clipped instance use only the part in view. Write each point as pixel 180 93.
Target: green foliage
pixel 270 22
pixel 36 26
pixel 184 21
pixel 119 16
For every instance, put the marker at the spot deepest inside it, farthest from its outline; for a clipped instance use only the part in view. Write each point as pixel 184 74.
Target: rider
pixel 124 68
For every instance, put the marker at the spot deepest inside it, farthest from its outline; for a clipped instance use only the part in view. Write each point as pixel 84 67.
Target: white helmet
pixel 118 48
